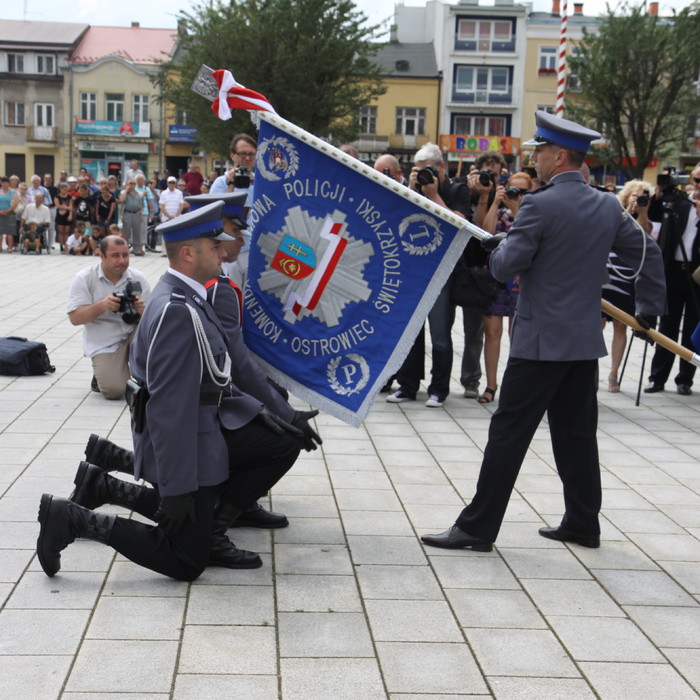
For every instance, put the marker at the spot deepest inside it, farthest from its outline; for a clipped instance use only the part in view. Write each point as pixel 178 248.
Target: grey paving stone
pixel 360 499
pixel 485 608
pixel 18 535
pixel 125 578
pixel 131 666
pixel 544 563
pixel 652 522
pixel 117 696
pixel 415 458
pixel 471 570
pixel 643 588
pixel 376 549
pixel 429 494
pixel 220 576
pixel 32 676
pixel 360 480
pixel 668 626
pixel 687 662
pixel 13 562
pixel 514 652
pixel 615 555
pixel 137 618
pixel 416 475
pixel 321 679
pixel 72 590
pixel 306 507
pixel 669 547
pixel 295 485
pixel 311 531
pixel 541 688
pixel 421 667
pixel 324 634
pixel 623 680
pixel 34 632
pixel 227 605
pixel 604 639
pixel 687 573
pixel 214 649
pixel 353 463
pixel 216 687
pixel 398 582
pixel 312 559
pixel 571 598
pixel 317 593
pixel 430 518
pixel 365 522
pixel 412 621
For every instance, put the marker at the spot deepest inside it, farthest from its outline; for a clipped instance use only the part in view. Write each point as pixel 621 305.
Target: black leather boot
pixel 257 516
pixel 222 552
pixel 94 488
pixel 62 522
pixel 108 456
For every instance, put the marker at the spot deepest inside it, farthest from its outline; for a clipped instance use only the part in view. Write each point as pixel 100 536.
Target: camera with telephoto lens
pixel 671 179
pixel 126 302
pixel 487 177
pixel 241 179
pixel 643 199
pixel 426 176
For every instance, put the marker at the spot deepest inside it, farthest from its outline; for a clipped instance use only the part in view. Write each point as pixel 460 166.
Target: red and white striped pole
pixel 561 65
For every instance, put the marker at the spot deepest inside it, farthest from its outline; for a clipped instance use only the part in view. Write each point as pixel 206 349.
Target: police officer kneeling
pixel 193 419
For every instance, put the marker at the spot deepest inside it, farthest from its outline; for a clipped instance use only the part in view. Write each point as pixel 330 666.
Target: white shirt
pixel 171 200
pixel 199 288
pixel 36 215
pixel 131 175
pixel 104 334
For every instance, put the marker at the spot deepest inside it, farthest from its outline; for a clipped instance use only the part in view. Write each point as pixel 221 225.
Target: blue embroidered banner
pixel 345 264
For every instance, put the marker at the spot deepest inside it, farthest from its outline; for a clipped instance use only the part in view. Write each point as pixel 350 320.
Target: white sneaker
pixel 399 396
pixel 434 401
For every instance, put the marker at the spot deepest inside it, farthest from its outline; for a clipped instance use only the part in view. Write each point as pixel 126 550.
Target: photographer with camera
pixel 240 176
pixel 429 178
pixel 679 241
pixel 108 299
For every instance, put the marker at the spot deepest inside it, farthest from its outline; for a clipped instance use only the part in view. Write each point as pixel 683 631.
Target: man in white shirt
pixel 92 302
pixel 171 201
pixel 132 172
pixel 36 212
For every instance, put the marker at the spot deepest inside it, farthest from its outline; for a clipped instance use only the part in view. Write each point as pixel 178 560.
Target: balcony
pixel 484 98
pixel 372 143
pixel 42 133
pixel 484 45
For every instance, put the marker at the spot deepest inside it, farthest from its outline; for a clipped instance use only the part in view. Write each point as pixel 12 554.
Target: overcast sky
pixel 163 13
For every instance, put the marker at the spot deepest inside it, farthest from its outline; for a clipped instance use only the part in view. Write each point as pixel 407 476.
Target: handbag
pixel 473 287
pixel 20 357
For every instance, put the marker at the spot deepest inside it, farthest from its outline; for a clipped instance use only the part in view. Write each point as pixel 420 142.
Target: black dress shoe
pixel 259 517
pixel 222 552
pixel 653 387
pixel 93 385
pixel 684 389
pixel 454 538
pixel 561 535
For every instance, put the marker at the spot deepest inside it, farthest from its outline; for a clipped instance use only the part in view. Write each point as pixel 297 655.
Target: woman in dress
pixel 619 291
pixel 499 219
pixel 64 214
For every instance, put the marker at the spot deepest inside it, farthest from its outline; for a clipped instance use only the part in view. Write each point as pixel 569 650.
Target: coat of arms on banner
pixel 344 266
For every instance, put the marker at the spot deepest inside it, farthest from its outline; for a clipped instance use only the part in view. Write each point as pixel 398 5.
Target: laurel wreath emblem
pixel 292 158
pixel 331 374
pixel 435 240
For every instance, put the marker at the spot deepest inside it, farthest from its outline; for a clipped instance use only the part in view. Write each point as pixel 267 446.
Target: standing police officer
pixel 559 245
pixel 192 419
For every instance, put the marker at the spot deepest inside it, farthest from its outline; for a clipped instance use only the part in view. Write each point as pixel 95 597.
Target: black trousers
pixel 566 391
pixel 258 459
pixel 680 293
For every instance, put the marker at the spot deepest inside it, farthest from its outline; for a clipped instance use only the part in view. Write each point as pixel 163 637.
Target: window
pixel 140 108
pixel 88 106
pixel 548 59
pixel 480 125
pixel 43 114
pixel 485 35
pixel 14 113
pixel 114 106
pixel 572 82
pixel 482 84
pixel 181 117
pixel 15 63
pixel 368 120
pixel 410 121
pixel 45 64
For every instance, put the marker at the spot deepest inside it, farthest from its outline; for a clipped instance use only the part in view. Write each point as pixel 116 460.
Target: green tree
pixel 312 59
pixel 638 77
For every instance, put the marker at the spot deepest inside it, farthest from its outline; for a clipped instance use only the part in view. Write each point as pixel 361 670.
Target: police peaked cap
pixel 234 205
pixel 205 222
pixel 562 132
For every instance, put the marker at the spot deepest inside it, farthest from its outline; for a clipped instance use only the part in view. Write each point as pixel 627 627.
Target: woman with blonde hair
pixel 619 291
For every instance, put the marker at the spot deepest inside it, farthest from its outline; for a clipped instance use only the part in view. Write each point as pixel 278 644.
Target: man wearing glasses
pixel 242 149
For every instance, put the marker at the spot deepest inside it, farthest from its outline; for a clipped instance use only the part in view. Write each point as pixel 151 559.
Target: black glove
pixel 277 425
pixel 310 438
pixel 173 511
pixel 491 243
pixel 646 322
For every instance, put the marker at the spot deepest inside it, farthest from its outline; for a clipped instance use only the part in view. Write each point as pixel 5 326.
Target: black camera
pixel 487 177
pixel 643 199
pixel 512 192
pixel 671 179
pixel 427 175
pixel 126 302
pixel 241 179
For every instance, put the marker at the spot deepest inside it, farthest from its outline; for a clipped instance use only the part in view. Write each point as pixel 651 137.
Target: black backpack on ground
pixel 20 357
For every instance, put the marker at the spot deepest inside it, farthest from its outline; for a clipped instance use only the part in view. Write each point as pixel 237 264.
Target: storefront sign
pixel 182 134
pixel 462 145
pixel 104 128
pixel 113 146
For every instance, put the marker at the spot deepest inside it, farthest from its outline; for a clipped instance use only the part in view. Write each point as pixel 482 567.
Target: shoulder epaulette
pixel 600 188
pixel 541 189
pixel 178 295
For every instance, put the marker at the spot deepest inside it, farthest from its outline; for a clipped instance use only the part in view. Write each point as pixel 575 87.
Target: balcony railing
pixel 492 98
pixel 41 133
pixel 485 45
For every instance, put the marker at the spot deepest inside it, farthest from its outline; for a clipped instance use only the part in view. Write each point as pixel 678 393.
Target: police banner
pixel 345 264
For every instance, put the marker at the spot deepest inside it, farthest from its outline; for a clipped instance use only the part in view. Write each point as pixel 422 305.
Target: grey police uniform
pixel 559 245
